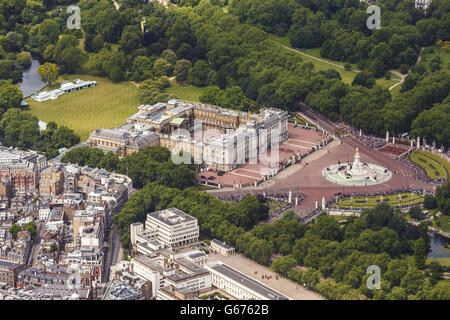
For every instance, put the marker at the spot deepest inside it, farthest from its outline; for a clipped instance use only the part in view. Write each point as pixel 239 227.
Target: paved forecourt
pixel 282 285
pixel 299 140
pixel 305 177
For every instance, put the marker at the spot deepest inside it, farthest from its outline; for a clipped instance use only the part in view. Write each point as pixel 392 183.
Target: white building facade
pixel 239 285
pixel 173 227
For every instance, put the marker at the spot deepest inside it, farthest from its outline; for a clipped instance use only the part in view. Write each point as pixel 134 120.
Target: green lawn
pixel 387 83
pixel 434 166
pixel 360 202
pixel 300 121
pixel 396 91
pixel 427 56
pixel 315 52
pixel 340 219
pixel 442 223
pixel 443 261
pixel 188 92
pixel 281 40
pixel 347 76
pixel 105 106
pixel 202 187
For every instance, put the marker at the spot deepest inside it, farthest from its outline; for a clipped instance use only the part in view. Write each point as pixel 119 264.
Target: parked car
pixel 203 177
pixel 212 178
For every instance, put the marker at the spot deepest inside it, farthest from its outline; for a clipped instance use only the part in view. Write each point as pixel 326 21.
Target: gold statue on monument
pixel 357 152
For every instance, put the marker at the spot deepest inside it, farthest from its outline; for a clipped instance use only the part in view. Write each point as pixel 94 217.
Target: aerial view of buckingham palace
pixel 221 138
pixel 226 150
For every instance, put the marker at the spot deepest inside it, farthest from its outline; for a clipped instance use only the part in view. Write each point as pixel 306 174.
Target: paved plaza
pixel 306 176
pixel 299 140
pixel 282 285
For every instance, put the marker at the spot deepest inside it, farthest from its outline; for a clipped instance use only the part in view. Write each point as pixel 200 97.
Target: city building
pixel 71 175
pixel 136 228
pixel 18 249
pixel 54 282
pixel 6 192
pixel 52 180
pixel 118 290
pixel 122 142
pixel 66 87
pixel 9 272
pixel 172 278
pixel 97 185
pixel 422 4
pixel 216 137
pixel 170 226
pixel 21 169
pixel 44 212
pixel 221 247
pixel 239 285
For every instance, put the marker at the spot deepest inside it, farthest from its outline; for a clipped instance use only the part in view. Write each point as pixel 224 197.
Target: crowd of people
pixel 370 141
pixel 419 171
pixel 285 196
pixel 233 198
pixel 407 189
pixel 275 210
pixel 310 216
pixel 395 150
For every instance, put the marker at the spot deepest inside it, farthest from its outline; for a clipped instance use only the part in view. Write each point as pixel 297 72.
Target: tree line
pixel 230 54
pixel 337 256
pixel 339 29
pixel 20 129
pixel 216 218
pixel 151 164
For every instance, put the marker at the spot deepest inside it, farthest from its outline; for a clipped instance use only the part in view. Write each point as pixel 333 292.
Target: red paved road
pixel 309 181
pixel 299 140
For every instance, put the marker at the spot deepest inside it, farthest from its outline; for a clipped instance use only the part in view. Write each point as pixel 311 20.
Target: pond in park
pixel 438 246
pixel 31 81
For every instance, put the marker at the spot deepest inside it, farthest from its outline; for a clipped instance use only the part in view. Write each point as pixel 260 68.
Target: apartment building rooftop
pixel 171 216
pixel 248 282
pixel 11 156
pixel 112 134
pixel 176 270
pixel 220 244
pixel 118 290
pixel 6 264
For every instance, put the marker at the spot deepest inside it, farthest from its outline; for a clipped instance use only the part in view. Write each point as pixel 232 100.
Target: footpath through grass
pixel 347 76
pixel 434 166
pixel 443 223
pixel 106 105
pixel 360 201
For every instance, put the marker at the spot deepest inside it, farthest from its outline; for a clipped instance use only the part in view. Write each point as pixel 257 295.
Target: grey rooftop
pixel 248 282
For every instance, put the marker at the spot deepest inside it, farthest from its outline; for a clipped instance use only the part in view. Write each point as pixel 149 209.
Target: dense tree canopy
pixel 20 129
pixel 145 166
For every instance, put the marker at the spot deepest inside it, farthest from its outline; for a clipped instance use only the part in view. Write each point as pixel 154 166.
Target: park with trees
pixel 335 256
pixel 229 54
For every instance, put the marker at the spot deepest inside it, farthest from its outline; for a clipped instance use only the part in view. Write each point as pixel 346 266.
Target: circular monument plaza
pixel 356 173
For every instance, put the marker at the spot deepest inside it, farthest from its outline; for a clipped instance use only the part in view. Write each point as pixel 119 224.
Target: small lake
pixel 31 81
pixel 438 245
